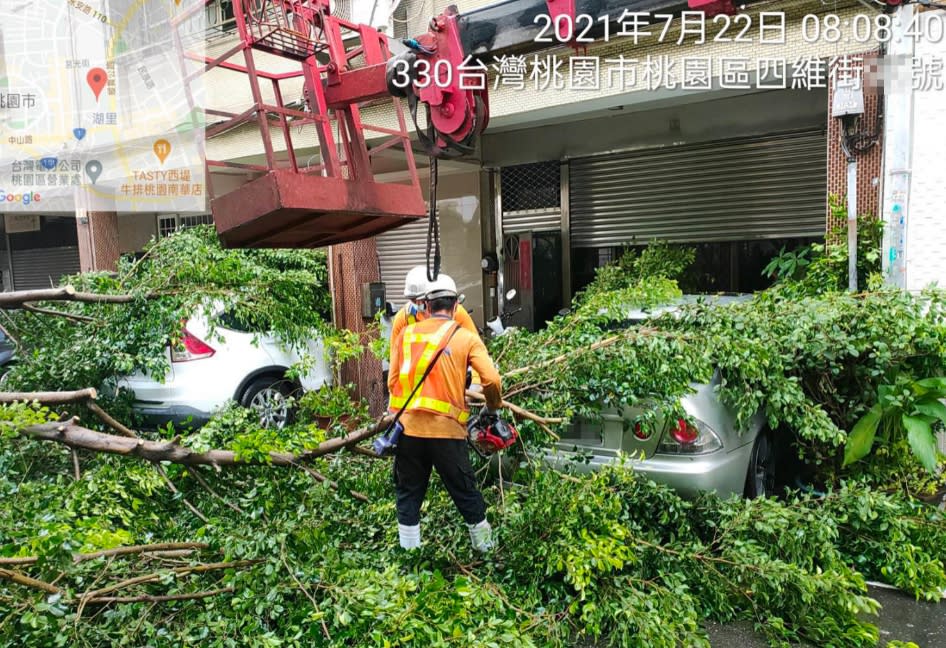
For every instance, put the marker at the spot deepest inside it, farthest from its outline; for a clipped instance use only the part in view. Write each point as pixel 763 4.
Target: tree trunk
pixel 16 298
pixel 76 436
pixel 49 398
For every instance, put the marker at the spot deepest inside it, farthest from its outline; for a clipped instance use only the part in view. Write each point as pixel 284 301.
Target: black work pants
pixel 412 463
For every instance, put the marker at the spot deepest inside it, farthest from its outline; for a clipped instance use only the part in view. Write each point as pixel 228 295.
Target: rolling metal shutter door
pixel 399 250
pixel 531 197
pixel 754 188
pixel 532 221
pixel 43 267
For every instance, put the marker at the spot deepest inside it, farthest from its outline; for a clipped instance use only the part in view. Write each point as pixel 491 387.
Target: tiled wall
pixel 353 264
pixel 99 242
pixel 869 163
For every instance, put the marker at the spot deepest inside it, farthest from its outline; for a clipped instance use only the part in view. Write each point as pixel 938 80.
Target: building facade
pixel 737 159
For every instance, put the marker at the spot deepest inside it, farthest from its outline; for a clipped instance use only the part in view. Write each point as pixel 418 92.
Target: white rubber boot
pixel 409 536
pixel 481 535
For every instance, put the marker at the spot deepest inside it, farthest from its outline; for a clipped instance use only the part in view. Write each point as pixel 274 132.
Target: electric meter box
pixel 372 299
pixel 848 99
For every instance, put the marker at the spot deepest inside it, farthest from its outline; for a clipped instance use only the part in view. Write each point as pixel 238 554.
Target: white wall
pixel 458 196
pixel 926 210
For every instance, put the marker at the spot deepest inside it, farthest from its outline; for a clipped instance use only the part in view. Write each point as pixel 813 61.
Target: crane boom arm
pixel 444 70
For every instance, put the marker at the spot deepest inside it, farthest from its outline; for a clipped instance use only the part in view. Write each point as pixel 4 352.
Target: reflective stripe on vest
pixel 425 402
pixel 432 343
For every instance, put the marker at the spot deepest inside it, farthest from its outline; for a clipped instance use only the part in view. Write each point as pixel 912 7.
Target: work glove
pixel 489 419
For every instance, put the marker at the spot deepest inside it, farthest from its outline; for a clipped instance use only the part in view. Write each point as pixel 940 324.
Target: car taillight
pixel 190 348
pixel 684 432
pixel 641 432
pixel 689 437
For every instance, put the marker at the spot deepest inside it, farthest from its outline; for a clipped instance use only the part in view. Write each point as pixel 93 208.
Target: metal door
pixel 752 188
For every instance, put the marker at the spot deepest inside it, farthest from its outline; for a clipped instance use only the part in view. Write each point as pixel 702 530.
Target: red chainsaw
pixel 489 434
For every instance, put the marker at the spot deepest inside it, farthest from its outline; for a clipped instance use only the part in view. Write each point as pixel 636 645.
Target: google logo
pixel 25 198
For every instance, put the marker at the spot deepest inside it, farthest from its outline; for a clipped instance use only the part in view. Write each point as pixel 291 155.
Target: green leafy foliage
pixel 606 558
pixel 908 409
pixel 788 264
pixel 603 559
pixel 811 363
pixel 281 291
pixel 823 267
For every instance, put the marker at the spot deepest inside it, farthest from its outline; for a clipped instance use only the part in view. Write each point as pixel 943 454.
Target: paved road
pixel 901 618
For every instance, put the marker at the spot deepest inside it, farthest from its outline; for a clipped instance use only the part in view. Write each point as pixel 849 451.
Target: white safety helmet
pixel 442 286
pixel 415 283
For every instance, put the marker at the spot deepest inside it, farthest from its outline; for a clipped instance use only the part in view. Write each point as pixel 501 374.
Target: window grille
pixel 171 223
pixel 529 187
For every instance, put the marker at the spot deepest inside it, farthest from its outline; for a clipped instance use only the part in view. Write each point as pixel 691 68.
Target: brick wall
pixel 354 264
pixel 868 163
pixel 99 242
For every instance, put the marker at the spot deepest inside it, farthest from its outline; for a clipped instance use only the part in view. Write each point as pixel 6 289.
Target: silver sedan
pixel 705 451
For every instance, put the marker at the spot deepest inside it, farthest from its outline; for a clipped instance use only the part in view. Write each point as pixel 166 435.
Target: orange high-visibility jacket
pixel 438 409
pixel 402 319
pixel 462 317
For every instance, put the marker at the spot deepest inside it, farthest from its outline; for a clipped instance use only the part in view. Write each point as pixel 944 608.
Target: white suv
pixel 207 370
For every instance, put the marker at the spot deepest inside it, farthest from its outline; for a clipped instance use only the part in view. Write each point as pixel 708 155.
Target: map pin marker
pixel 79 133
pixel 48 163
pixel 93 169
pixel 162 148
pixel 96 78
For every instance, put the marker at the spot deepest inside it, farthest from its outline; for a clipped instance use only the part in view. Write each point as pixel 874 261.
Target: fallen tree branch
pixel 630 333
pixel 139 549
pixel 543 422
pixel 56 313
pixel 23 579
pixel 59 398
pixel 365 452
pixel 173 488
pixel 76 436
pixel 200 480
pixel 150 578
pixel 302 588
pixel 322 479
pixel 149 598
pixel 96 596
pixel 107 419
pixel 17 298
pixel 167 555
pixel 49 398
pixel 117 551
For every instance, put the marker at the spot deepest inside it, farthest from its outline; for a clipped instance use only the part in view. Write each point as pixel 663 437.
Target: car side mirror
pixel 511 294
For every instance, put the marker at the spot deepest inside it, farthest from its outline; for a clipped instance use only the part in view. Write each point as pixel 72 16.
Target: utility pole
pixel 898 145
pixel 848 106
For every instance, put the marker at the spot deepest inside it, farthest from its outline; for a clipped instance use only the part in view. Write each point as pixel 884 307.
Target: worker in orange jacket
pixel 415 288
pixel 415 310
pixel 435 419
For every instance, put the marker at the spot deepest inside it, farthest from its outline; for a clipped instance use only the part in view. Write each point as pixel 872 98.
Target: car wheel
pixel 760 479
pixel 267 395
